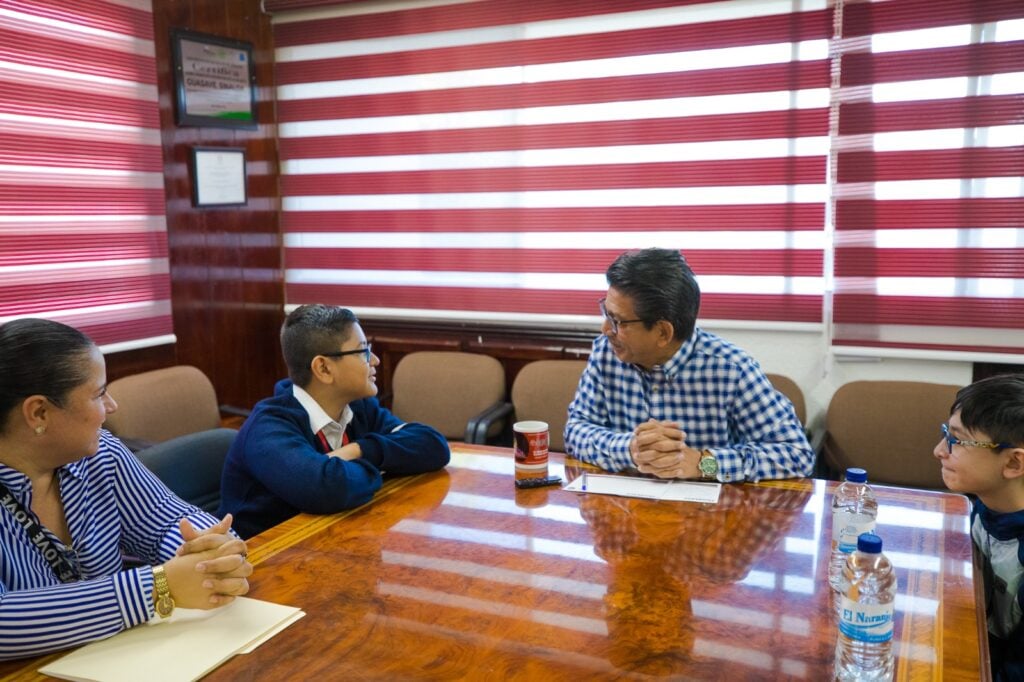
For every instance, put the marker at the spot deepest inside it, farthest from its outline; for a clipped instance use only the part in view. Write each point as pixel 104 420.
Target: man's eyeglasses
pixel 611 320
pixel 365 352
pixel 953 440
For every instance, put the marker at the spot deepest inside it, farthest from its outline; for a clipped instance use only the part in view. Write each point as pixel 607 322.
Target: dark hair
pixel 661 285
pixel 995 407
pixel 312 330
pixel 40 357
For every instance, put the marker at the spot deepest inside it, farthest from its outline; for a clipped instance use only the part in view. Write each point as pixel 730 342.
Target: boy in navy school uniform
pixel 982 454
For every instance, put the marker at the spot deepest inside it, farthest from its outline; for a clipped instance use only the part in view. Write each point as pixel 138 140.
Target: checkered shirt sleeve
pixel 718 394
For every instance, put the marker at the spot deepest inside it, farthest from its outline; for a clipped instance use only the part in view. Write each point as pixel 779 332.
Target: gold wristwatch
pixel 164 602
pixel 708 465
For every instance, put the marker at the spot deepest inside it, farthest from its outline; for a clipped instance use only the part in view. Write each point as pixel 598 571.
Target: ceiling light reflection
pixel 554 512
pixel 733 654
pixel 913 604
pixel 577 588
pixel 571 550
pixel 560 620
pixel 889 515
pixel 744 616
pixel 489 463
pixel 798 584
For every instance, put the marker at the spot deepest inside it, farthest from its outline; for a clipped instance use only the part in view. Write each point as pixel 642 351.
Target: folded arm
pixel 587 437
pixel 397 447
pixel 769 442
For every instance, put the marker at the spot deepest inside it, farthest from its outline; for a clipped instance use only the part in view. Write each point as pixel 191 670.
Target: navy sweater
pixel 276 468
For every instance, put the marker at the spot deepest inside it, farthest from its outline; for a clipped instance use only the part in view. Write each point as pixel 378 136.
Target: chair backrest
pixel 789 388
pixel 447 389
pixel 889 428
pixel 543 390
pixel 191 465
pixel 163 404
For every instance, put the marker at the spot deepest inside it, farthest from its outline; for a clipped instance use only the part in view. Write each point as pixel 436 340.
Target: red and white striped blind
pixel 490 159
pixel 929 220
pixel 82 227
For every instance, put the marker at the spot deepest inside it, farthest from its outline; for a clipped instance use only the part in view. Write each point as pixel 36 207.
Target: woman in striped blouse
pixel 74 500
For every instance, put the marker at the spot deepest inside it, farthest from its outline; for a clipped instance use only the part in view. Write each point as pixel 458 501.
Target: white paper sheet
pixel 186 647
pixel 650 488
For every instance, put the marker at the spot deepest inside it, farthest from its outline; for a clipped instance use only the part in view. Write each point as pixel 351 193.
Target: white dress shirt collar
pixel 319 419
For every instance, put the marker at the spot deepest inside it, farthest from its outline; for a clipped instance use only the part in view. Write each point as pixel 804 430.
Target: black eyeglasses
pixel 953 440
pixel 611 320
pixel 365 352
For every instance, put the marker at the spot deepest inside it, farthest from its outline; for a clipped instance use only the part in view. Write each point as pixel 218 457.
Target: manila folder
pixel 188 645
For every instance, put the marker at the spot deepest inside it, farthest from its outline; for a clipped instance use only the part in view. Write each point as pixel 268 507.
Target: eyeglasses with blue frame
pixel 366 353
pixel 953 440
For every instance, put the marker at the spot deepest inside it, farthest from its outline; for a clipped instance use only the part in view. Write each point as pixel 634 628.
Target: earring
pixel 40 430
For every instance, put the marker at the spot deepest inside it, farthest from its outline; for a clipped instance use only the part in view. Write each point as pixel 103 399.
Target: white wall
pixel 804 356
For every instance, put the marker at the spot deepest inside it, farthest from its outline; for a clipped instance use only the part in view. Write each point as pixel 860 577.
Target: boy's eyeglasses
pixel 953 440
pixel 366 353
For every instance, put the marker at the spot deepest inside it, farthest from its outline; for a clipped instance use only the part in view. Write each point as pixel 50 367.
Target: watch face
pixel 164 606
pixel 708 466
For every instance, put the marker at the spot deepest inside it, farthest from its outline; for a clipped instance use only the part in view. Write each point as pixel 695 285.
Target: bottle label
pixel 866 622
pixel 847 527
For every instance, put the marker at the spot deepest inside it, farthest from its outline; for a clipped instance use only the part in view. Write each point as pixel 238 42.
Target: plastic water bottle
pixel 864 648
pixel 853 512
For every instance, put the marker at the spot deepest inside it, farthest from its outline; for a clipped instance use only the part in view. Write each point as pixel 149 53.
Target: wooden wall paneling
pixel 983 370
pixel 140 360
pixel 226 270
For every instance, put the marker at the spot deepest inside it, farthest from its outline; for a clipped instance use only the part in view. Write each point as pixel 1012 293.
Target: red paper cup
pixel 531 441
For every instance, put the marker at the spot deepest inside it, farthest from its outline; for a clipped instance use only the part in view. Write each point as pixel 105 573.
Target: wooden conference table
pixel 459 575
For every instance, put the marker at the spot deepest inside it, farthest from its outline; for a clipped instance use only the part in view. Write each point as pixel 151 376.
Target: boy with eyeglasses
pixel 322 442
pixel 982 454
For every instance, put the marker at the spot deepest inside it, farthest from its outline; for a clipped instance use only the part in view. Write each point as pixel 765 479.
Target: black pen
pixel 583 487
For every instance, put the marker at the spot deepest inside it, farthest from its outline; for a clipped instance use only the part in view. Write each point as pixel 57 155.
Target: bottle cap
pixel 869 543
pixel 856 475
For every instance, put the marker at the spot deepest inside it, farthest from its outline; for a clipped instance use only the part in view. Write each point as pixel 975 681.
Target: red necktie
pixel 327 446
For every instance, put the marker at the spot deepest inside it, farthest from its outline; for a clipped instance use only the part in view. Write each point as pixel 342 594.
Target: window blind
pixel 929 245
pixel 82 228
pixel 490 159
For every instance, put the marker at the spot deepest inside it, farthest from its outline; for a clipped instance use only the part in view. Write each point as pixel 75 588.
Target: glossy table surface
pixel 459 575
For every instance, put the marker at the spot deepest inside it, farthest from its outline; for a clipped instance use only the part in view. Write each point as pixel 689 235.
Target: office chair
pixel 191 465
pixel 543 390
pixel 888 428
pixel 791 390
pixel 162 404
pixel 462 395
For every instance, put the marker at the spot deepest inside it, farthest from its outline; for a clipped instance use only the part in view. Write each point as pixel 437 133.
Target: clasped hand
pixel 210 568
pixel 348 452
pixel 659 448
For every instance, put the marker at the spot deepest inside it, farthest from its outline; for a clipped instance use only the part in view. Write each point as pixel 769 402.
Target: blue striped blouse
pixel 113 505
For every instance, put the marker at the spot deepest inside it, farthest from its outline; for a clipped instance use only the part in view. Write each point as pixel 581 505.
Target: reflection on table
pixel 667 559
pixel 458 575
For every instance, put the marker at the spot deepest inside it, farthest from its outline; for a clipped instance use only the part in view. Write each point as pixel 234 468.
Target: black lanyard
pixel 62 568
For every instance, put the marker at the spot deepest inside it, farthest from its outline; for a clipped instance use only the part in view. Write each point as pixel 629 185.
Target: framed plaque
pixel 218 177
pixel 214 81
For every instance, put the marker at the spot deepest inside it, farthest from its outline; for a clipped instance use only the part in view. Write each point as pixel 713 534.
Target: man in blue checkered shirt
pixel 674 400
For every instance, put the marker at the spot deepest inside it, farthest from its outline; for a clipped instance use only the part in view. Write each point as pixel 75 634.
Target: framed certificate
pixel 218 177
pixel 214 81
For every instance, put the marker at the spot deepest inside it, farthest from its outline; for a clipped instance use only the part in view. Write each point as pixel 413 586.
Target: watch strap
pixel 708 465
pixel 164 603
